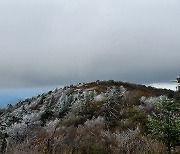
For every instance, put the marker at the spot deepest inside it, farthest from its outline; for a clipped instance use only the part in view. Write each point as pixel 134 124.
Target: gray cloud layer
pixel 65 41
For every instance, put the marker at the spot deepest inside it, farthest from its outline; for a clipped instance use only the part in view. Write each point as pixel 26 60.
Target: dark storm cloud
pixel 64 41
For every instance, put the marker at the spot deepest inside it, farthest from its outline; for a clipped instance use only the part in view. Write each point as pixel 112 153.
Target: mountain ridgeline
pixel 101 117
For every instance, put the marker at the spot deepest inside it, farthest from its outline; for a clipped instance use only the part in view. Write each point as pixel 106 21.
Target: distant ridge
pixel 6 99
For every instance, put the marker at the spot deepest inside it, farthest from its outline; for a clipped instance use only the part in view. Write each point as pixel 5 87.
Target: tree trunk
pixel 169 149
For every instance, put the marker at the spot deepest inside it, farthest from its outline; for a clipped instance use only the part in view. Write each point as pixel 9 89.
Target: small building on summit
pixel 178 83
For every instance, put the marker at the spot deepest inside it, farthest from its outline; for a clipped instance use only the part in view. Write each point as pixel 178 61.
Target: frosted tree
pixel 113 105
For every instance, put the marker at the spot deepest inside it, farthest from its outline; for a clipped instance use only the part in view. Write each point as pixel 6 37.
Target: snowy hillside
pixel 104 116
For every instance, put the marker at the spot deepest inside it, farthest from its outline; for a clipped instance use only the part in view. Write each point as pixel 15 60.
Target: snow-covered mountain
pixel 104 116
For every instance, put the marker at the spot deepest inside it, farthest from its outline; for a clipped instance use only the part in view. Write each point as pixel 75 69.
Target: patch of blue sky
pixel 12 96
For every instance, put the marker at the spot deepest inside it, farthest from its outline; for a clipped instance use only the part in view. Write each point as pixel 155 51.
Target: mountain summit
pixel 97 117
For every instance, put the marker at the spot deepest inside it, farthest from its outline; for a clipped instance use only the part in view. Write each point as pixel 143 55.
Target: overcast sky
pixel 58 42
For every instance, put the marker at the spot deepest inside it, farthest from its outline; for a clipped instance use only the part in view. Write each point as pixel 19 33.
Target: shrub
pixel 95 149
pixel 45 116
pixel 136 118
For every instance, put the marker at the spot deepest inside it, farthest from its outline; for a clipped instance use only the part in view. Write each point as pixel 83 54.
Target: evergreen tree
pixel 164 125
